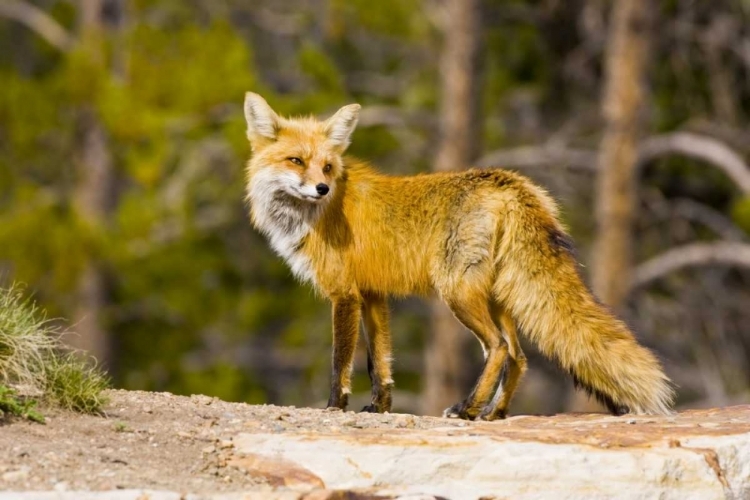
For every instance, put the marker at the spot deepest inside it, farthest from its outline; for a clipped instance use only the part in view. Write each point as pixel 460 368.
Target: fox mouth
pixel 307 197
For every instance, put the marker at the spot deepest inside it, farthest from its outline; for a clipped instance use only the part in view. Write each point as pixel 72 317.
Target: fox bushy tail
pixel 539 284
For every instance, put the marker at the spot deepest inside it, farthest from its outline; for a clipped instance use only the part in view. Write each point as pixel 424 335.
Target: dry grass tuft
pixel 36 364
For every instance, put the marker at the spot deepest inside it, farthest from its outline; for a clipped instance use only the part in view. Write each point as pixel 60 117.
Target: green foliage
pixel 206 68
pixel 74 383
pixel 392 18
pixel 65 244
pixel 316 64
pixel 121 427
pixel 14 405
pixel 176 132
pixel 741 213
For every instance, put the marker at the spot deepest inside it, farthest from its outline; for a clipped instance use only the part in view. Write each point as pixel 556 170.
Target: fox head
pixel 299 157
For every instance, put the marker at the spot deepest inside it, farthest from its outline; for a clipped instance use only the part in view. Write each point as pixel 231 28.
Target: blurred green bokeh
pixel 196 302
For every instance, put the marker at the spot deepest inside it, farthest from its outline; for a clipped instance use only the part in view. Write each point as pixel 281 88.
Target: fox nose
pixel 322 189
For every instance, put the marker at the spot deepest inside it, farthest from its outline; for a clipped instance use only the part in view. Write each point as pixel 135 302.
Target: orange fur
pixel 487 241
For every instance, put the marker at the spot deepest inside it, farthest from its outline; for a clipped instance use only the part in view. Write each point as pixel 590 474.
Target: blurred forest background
pixel 122 148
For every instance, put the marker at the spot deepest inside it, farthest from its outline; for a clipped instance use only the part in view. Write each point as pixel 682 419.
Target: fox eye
pixel 327 168
pixel 295 160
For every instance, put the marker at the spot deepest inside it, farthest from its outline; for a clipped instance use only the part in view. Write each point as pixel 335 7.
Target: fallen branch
pixel 698 146
pixel 689 144
pixel 691 255
pixel 693 211
pixel 38 21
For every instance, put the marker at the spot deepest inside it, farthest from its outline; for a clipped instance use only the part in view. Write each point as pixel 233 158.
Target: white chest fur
pixel 284 219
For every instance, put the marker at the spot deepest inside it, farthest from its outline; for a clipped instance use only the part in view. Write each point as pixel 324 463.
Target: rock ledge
pixel 222 451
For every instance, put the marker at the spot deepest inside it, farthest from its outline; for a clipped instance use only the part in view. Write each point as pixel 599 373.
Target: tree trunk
pixel 626 61
pixel 93 203
pixel 445 366
pixel 95 189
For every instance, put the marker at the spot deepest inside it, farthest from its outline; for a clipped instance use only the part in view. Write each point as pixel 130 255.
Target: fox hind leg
pixel 375 314
pixel 473 311
pixel 512 374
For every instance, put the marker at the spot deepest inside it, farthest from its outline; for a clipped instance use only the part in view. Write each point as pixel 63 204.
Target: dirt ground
pixel 160 441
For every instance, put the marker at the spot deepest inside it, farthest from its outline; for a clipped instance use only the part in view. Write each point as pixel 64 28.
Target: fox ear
pixel 261 119
pixel 340 126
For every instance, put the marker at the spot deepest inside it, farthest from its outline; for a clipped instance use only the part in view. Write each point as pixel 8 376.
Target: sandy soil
pixel 160 441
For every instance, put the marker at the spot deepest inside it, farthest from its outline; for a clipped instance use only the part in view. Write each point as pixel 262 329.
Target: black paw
pixel 458 410
pixel 381 400
pixel 339 401
pixel 489 414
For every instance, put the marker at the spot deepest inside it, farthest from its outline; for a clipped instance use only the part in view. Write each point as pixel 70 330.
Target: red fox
pixel 487 241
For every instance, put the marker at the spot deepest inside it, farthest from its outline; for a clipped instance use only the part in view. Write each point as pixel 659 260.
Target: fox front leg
pixel 346 318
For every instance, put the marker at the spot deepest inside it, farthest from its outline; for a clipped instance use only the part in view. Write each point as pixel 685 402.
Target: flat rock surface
pixel 157 445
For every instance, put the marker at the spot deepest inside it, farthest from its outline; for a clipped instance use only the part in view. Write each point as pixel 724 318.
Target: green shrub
pixel 36 365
